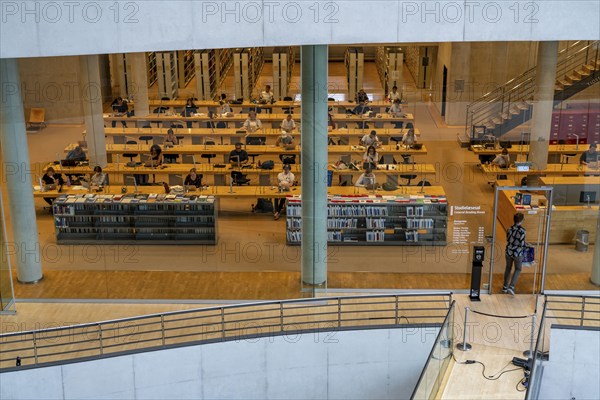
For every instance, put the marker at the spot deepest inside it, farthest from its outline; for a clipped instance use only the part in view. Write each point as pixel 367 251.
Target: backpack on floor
pixel 263 206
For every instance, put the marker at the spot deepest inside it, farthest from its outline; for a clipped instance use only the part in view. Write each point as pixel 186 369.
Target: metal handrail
pixel 205 325
pixel 533 381
pixel 499 101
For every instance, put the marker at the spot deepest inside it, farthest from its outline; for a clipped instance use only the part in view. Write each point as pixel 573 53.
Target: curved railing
pixel 215 324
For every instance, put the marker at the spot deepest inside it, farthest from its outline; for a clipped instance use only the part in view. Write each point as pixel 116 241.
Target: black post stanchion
pixel 478 256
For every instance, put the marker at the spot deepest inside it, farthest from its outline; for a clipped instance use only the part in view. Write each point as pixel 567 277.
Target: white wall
pixel 369 364
pixel 573 369
pixel 35 28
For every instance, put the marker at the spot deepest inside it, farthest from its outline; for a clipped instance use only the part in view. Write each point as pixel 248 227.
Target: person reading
pixel 288 124
pixel 193 179
pixel 589 157
pixel 252 124
pixel 371 140
pixel 366 179
pixel 285 181
pixel 238 156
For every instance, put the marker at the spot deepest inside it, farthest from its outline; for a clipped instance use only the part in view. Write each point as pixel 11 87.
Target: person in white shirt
pixel 366 179
pixel 395 110
pixel 97 180
pixel 285 139
pixel 225 107
pixel 409 138
pixel 266 96
pixel 252 124
pixel 370 140
pixel 288 124
pixel 394 95
pixel 286 181
pixel 502 160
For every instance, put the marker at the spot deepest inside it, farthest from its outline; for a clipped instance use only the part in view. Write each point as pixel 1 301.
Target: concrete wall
pixel 36 29
pixel 370 364
pixel 574 366
pixel 52 83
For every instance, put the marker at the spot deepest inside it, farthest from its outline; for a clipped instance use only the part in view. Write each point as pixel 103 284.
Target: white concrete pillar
pixel 140 83
pixel 17 175
pixel 314 164
pixel 89 68
pixel 543 100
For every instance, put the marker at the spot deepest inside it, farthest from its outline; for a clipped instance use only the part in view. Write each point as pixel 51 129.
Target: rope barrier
pixel 500 316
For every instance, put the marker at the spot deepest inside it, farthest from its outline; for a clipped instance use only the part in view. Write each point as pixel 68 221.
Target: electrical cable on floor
pixel 492 377
pixel 521 382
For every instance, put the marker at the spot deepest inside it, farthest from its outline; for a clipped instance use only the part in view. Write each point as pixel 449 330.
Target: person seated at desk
pixel 189 110
pixel 396 109
pixel 193 179
pixel 156 156
pixel 361 108
pixel 252 124
pixel 330 122
pixel 224 108
pixel 76 154
pixel 120 109
pixel 284 140
pixel 362 97
pixel 266 96
pixel 285 181
pixel 97 180
pixel 237 156
pixel 170 141
pixel 409 138
pixel 288 124
pixel 51 180
pixel 366 179
pixel 590 156
pixel 502 160
pixel 394 95
pixel 371 140
pixel 370 158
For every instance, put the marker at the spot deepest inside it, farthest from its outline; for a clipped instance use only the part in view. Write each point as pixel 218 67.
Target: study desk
pixel 220 176
pixel 524 149
pixel 573 190
pixel 271 150
pixel 239 119
pixel 552 169
pixel 187 133
pixel 565 221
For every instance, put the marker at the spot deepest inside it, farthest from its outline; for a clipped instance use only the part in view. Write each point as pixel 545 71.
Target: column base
pixel 31 282
pixel 594 283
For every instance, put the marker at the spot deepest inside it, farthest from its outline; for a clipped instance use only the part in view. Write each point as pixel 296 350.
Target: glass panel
pixel 7 299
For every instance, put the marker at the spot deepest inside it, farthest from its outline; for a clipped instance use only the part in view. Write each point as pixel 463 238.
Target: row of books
pixel 425 223
pixel 131 230
pixel 126 199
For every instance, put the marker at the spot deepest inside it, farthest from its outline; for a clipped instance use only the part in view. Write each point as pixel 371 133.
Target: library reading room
pixel 234 158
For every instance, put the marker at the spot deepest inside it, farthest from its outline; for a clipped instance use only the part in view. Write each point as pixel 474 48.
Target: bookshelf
pixel 411 220
pixel 167 74
pixel 185 64
pixel 139 219
pixel 211 68
pixel 355 66
pixel 247 64
pixel 388 61
pixel 283 66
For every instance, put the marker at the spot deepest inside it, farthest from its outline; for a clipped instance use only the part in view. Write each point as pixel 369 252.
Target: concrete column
pixel 89 68
pixel 596 260
pixel 543 100
pixel 7 293
pixel 314 163
pixel 140 83
pixel 15 157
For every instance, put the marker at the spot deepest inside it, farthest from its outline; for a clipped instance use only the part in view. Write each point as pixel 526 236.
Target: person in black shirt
pixel 189 111
pixel 54 180
pixel 120 108
pixel 238 157
pixel 589 156
pixel 193 179
pixel 515 247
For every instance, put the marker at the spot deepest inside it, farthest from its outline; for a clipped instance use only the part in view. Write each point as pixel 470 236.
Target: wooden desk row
pixel 180 103
pixel 552 169
pixel 524 149
pixel 135 133
pixel 240 118
pixel 254 191
pixel 271 150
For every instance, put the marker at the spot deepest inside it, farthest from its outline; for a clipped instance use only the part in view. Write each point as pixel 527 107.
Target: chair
pixel 209 156
pixel 146 138
pixel 221 125
pixel 131 155
pixel 564 158
pixel 288 158
pixel 408 177
pixel 180 138
pixel 239 179
pixel 424 182
pixel 37 118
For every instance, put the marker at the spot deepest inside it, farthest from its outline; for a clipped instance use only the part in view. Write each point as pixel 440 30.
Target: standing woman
pixel 515 246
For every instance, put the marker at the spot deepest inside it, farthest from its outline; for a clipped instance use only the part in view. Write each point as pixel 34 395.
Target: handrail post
pixel 339 312
pixel 396 311
pixel 582 312
pixel 223 322
pixel 162 328
pixel 464 346
pixel 529 353
pixel 100 339
pixel 35 355
pixel 281 316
